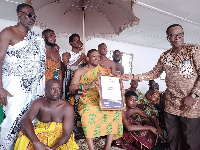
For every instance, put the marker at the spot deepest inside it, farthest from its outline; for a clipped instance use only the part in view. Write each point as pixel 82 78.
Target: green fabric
pixel 150 109
pixel 1 114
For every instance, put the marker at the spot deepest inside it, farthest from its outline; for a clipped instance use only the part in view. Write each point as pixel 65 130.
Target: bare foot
pixel 104 148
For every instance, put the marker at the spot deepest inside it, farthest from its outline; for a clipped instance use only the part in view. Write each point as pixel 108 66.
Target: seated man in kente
pixel 95 122
pixel 137 134
pixel 143 103
pixel 53 131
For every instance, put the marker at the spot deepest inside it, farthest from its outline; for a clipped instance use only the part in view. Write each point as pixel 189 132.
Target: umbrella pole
pixel 83 13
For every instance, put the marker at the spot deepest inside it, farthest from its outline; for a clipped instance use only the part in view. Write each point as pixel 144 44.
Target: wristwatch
pixel 193 95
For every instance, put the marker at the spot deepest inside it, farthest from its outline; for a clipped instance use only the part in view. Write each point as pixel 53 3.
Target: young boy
pixel 137 133
pixel 74 57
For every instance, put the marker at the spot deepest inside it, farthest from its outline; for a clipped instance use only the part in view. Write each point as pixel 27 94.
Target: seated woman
pixel 137 133
pixel 95 122
pixel 153 94
pixel 157 99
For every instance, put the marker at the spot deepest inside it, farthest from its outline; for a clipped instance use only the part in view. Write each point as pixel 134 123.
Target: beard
pixel 55 98
pixel 49 43
pixel 29 28
pixel 26 25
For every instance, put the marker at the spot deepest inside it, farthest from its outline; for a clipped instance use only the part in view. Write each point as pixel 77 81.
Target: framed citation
pixel 111 95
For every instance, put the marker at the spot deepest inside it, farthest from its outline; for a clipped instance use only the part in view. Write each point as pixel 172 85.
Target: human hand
pixel 83 57
pixel 66 56
pixel 40 146
pixel 141 106
pixel 160 132
pixel 136 77
pixel 127 77
pixel 187 102
pixel 94 84
pixel 154 130
pixel 3 96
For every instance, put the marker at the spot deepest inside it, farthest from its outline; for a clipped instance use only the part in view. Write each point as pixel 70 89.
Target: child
pixel 137 133
pixel 74 57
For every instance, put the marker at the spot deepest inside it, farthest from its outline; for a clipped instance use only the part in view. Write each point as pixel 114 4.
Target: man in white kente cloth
pixel 22 66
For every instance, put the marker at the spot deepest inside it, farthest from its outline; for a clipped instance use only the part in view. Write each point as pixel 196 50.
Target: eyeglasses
pixel 173 36
pixel 30 15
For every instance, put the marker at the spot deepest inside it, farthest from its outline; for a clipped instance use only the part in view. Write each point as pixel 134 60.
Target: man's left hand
pixel 188 101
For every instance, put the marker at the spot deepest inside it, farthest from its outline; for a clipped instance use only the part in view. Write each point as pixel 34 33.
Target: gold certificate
pixel 111 95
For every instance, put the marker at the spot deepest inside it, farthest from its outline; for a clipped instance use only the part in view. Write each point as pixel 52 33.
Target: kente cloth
pixel 74 57
pixel 48 134
pixel 135 140
pixel 155 97
pixel 95 122
pixel 107 70
pixel 150 109
pixel 52 70
pixel 22 76
pixel 1 114
pixel 182 78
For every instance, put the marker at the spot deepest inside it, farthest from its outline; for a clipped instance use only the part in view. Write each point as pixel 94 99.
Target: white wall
pixel 144 59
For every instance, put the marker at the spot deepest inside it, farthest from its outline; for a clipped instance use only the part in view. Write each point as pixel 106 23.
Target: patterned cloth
pixel 48 134
pixel 182 78
pixel 74 57
pixel 155 97
pixel 97 123
pixel 150 109
pixel 52 70
pixel 23 76
pixel 134 140
pixel 107 70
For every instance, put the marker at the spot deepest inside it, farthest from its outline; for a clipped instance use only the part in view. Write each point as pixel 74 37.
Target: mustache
pixel 49 43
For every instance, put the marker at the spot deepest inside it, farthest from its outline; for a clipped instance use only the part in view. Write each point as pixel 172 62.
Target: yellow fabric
pixel 97 123
pixel 48 134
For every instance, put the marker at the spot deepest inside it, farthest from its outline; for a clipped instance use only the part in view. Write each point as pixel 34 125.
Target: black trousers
pixel 184 133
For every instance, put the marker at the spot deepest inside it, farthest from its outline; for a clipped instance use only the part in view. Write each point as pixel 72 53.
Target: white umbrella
pixel 88 18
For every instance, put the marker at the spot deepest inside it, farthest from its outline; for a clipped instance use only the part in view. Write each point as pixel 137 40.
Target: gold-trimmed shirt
pixel 182 78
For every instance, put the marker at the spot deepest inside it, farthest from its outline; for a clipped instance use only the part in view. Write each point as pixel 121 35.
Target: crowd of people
pixel 39 116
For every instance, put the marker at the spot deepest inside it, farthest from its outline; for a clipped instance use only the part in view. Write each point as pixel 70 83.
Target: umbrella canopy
pixel 101 17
